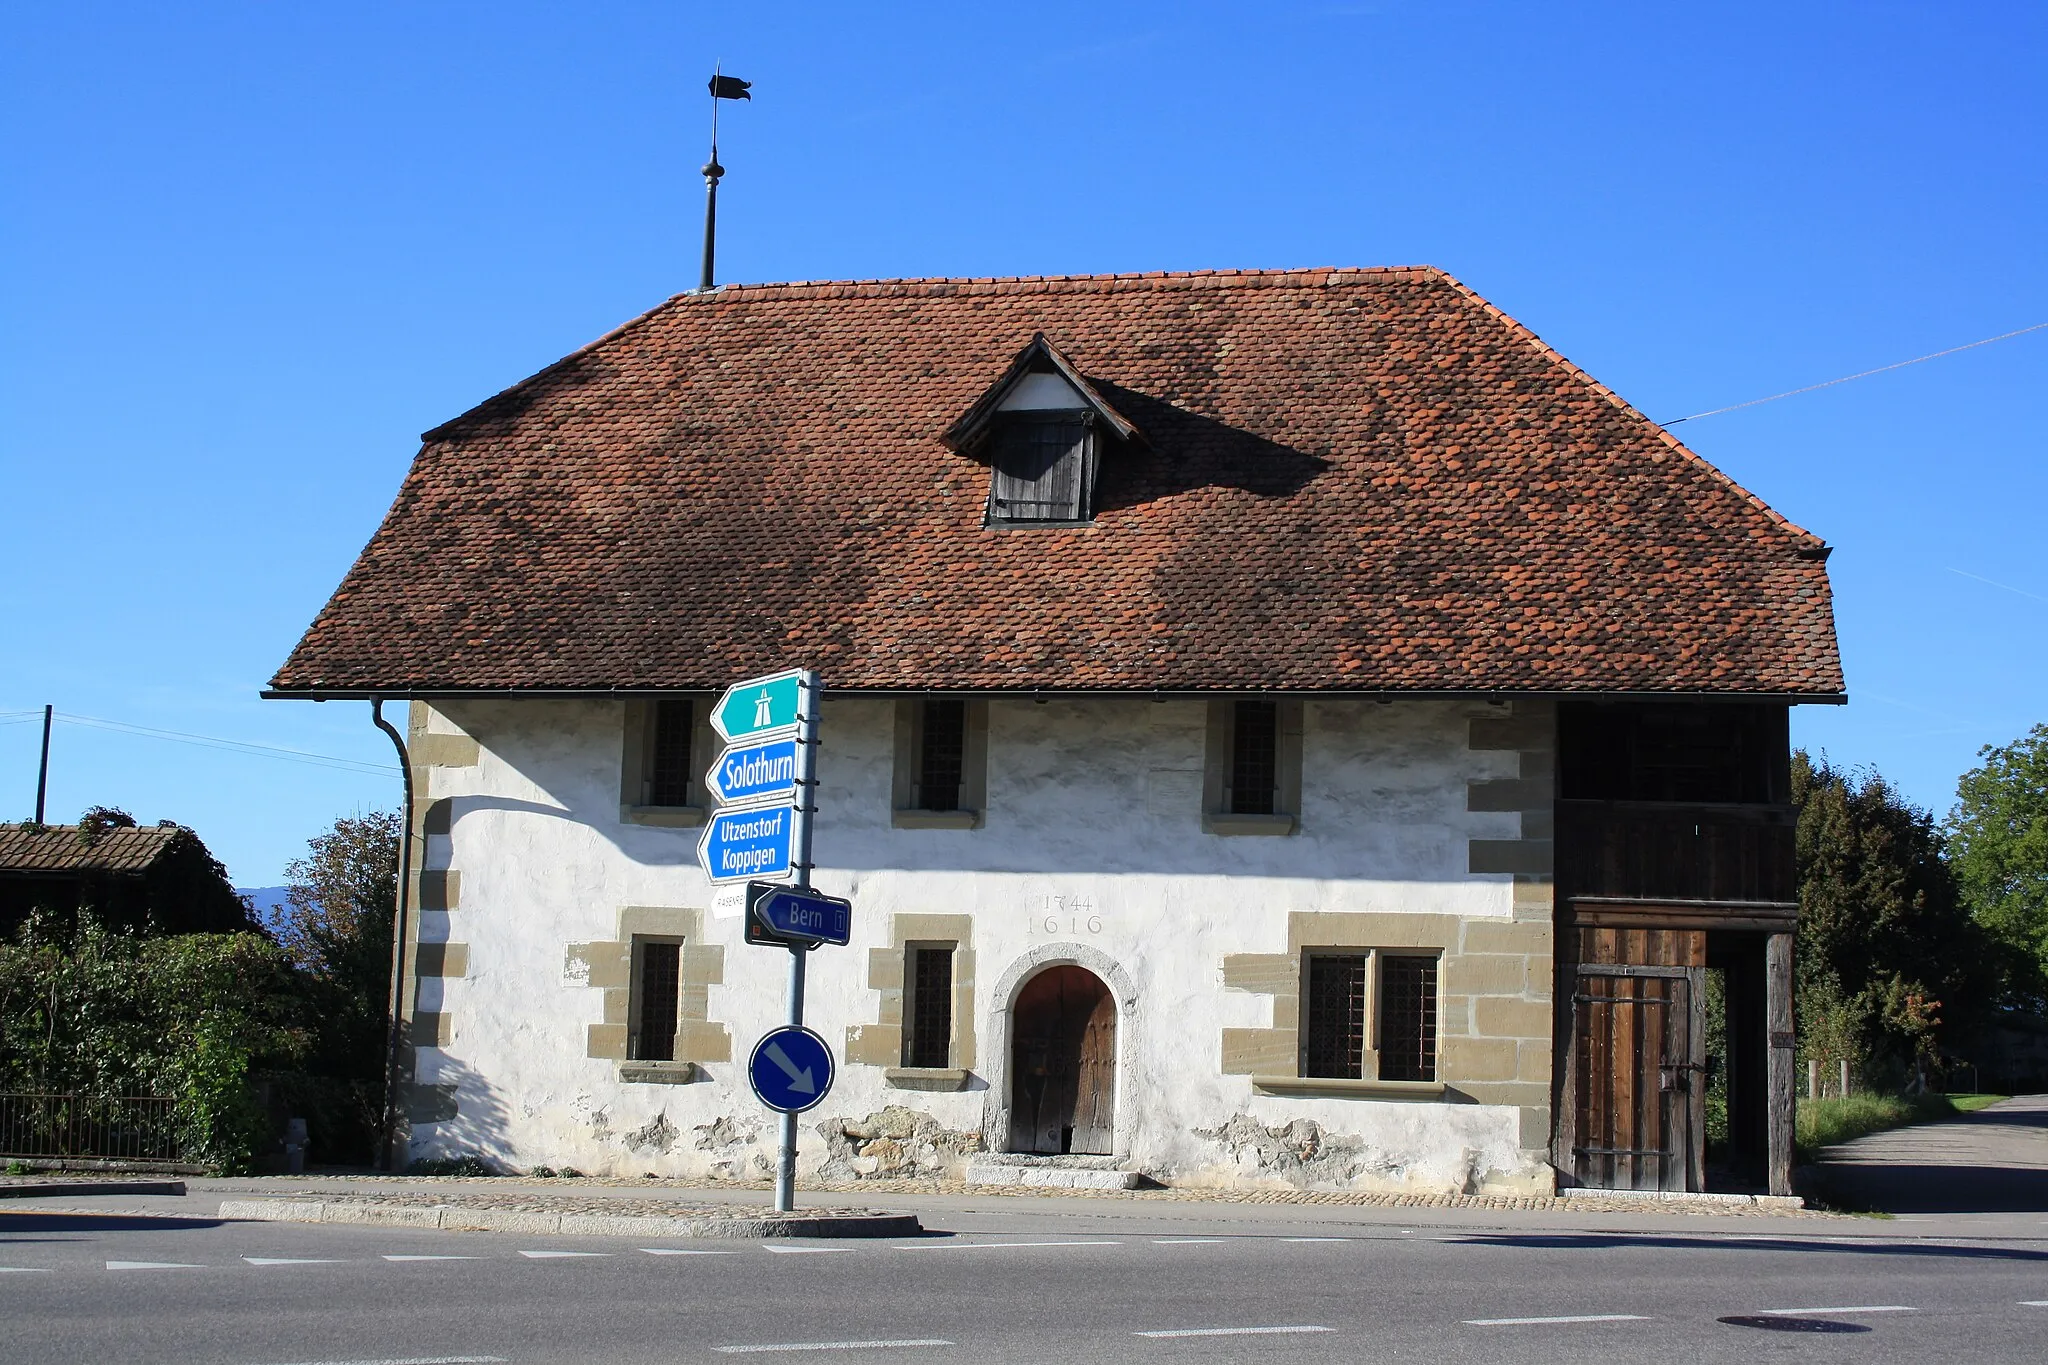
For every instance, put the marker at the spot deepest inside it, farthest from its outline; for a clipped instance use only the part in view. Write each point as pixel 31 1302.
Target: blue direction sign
pixel 749 772
pixel 759 707
pixel 791 1069
pixel 797 912
pixel 753 841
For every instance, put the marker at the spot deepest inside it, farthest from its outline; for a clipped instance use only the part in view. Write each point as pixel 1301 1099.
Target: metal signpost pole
pixel 800 866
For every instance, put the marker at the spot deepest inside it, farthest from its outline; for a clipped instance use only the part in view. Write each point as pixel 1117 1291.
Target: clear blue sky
pixel 248 252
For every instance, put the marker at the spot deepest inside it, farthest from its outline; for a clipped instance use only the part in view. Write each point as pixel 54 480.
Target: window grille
pixel 1335 1034
pixel 942 755
pixel 660 970
pixel 668 756
pixel 1254 757
pixel 1042 470
pixel 1407 1033
pixel 930 1040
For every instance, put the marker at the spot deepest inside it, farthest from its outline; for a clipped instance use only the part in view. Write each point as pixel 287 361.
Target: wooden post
pixel 1843 1089
pixel 1813 1078
pixel 1778 1075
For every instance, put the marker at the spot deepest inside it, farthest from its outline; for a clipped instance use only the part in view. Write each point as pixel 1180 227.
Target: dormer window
pixel 1040 428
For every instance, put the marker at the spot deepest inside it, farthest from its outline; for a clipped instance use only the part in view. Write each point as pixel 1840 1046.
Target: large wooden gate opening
pixel 1640 1120
pixel 1063 1064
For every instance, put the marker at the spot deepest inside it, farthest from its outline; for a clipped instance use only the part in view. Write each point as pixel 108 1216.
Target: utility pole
pixel 43 772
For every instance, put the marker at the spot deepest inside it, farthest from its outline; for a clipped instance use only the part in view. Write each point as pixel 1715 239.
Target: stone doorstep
pixel 452 1218
pixel 1677 1199
pixel 1061 1177
pixel 45 1189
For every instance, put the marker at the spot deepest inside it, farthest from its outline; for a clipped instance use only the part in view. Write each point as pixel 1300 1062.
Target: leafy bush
pixel 469 1163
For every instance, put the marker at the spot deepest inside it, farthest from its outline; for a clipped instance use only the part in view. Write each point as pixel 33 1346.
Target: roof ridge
pixel 1219 275
pixel 1630 409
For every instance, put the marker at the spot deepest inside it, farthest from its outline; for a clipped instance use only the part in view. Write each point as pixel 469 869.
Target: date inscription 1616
pixel 1052 914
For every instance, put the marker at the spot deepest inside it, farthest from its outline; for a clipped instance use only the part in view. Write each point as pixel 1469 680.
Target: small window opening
pixel 942 755
pixel 660 982
pixel 929 1041
pixel 668 758
pixel 1043 469
pixel 1334 1036
pixel 1254 757
pixel 1407 1032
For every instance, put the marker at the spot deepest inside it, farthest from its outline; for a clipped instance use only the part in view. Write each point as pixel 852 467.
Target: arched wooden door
pixel 1063 1064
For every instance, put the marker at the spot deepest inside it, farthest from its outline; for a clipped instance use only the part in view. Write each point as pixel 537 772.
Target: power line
pixel 240 746
pixel 1830 383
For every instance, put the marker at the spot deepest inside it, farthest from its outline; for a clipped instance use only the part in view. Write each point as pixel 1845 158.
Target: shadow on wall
pixel 476 1127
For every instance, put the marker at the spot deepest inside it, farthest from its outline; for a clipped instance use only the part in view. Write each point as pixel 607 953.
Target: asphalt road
pixel 1018 1285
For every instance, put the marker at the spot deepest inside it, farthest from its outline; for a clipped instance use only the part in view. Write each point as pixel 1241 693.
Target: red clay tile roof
pixel 28 850
pixel 1353 479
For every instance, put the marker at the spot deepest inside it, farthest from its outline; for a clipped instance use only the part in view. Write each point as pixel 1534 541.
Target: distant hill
pixel 268 900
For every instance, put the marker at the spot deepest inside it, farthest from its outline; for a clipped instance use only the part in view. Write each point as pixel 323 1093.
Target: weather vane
pixel 722 88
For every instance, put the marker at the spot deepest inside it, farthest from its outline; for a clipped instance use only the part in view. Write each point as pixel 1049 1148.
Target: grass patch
pixel 1823 1123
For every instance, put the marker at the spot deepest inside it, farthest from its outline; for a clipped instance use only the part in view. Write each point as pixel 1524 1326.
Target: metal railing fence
pixel 142 1128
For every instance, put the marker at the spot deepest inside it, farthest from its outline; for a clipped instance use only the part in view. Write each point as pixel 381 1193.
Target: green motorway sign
pixel 759 707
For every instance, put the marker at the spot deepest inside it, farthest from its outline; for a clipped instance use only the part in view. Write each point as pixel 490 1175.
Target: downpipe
pixel 400 920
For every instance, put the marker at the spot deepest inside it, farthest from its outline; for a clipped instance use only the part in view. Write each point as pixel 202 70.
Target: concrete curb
pixel 1669 1199
pixel 50 1189
pixel 533 1223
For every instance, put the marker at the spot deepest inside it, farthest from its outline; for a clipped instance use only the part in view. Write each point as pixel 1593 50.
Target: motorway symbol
pixel 750 841
pixel 791 1069
pixel 751 771
pixel 783 913
pixel 759 707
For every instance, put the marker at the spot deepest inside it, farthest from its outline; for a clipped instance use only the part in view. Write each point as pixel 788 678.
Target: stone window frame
pixel 636 999
pixel 881 1042
pixel 911 1000
pixel 1216 763
pixel 608 966
pixel 972 811
pixel 638 745
pixel 1374 954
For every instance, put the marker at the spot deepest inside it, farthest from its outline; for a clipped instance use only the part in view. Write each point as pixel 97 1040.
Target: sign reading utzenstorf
pixel 748 842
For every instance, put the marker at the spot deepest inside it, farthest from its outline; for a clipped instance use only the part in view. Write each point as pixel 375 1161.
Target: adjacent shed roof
pixel 1350 480
pixel 26 850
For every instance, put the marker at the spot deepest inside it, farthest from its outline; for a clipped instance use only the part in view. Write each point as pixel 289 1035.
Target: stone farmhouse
pixel 1282 729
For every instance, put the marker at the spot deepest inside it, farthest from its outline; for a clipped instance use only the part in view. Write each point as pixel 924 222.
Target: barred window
pixel 668 754
pixel 657 983
pixel 1334 1031
pixel 942 754
pixel 1407 1023
pixel 1254 757
pixel 928 1042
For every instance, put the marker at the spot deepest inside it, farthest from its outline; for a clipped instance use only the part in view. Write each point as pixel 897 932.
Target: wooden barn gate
pixel 1638 1060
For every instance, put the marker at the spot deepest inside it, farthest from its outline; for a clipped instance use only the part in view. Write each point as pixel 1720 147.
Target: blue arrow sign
pixel 748 772
pixel 791 1069
pixel 759 707
pixel 753 841
pixel 797 912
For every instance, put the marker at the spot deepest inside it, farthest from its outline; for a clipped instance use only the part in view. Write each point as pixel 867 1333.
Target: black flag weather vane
pixel 723 87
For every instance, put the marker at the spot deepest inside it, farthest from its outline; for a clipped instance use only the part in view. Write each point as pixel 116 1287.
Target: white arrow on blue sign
pixel 750 772
pixel 797 912
pixel 753 841
pixel 791 1069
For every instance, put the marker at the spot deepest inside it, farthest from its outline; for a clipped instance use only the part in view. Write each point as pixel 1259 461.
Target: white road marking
pixel 1315 1239
pixel 1537 1322
pixel 431 1258
pixel 682 1251
pixel 559 1255
pixel 24 1270
pixel 1184 1241
pixel 1233 1331
pixel 831 1346
pixel 415 1360
pixel 1835 1312
pixel 152 1265
pixel 996 1246
pixel 2034 1303
pixel 287 1260
pixel 802 1251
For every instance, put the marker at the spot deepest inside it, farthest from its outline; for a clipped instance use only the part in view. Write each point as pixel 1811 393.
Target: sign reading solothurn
pixel 747 842
pixel 760 707
pixel 754 772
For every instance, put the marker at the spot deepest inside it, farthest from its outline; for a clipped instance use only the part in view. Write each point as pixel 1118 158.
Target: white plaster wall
pixel 1092 836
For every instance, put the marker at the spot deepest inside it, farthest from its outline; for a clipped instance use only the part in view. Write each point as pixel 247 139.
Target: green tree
pixel 1998 837
pixel 341 901
pixel 1891 969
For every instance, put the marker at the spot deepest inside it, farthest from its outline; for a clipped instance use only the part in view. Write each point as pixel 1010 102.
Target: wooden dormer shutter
pixel 1044 467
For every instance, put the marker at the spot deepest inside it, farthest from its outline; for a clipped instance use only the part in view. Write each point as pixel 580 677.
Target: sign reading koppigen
pixel 752 841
